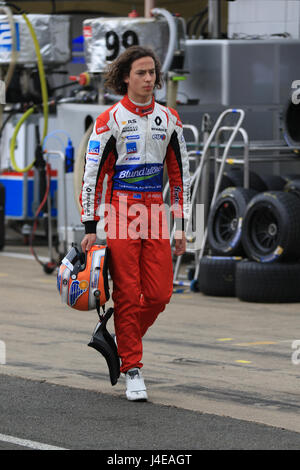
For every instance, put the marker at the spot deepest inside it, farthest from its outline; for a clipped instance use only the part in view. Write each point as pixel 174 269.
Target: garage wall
pixel 263 18
pixel 186 8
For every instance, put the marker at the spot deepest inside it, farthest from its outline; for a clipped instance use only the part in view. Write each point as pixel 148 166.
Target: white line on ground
pixel 27 443
pixel 22 256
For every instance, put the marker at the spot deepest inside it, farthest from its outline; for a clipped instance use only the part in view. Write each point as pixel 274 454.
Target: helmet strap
pixel 101 316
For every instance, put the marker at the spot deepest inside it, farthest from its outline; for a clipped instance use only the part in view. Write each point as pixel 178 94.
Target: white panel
pixel 252 12
pixel 292 10
pixel 270 10
pixel 247 11
pixel 293 29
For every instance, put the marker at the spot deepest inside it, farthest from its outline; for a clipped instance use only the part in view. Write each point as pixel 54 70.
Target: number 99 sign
pixel 106 38
pixel 112 42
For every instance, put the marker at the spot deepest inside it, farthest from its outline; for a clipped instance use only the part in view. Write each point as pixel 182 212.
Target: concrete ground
pixel 206 359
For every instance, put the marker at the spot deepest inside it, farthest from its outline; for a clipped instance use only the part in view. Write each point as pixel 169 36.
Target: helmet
pixel 82 279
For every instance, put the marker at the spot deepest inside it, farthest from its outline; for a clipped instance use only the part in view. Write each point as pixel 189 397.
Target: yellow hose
pixel 13 143
pixel 30 111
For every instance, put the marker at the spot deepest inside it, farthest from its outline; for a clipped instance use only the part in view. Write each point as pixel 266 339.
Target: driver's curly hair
pixel 120 68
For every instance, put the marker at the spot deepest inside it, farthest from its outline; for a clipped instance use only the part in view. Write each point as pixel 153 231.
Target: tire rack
pixel 195 184
pixel 219 165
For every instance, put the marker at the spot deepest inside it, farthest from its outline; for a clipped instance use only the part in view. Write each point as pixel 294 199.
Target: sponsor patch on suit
pixel 131 147
pixel 94 147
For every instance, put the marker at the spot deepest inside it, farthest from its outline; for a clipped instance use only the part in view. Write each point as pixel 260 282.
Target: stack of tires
pixel 254 243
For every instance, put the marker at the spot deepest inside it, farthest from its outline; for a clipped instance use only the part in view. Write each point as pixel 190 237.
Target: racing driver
pixel 130 143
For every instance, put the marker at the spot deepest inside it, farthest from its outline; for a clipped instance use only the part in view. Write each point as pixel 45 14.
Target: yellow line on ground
pixel 225 339
pixel 243 362
pixel 47 281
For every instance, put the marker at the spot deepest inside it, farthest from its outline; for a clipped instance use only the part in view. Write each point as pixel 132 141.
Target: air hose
pixel 50 265
pixel 172 36
pixel 32 109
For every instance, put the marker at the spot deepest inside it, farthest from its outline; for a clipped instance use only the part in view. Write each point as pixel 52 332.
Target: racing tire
pixel 224 225
pixel 293 186
pixel 236 177
pixel 217 275
pixel 268 282
pixel 271 227
pixel 230 180
pixel 273 182
pixel 290 177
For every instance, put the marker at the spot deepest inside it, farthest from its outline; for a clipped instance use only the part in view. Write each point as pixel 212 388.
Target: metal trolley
pixel 281 152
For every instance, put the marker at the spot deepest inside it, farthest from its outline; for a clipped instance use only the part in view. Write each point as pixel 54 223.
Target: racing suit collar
pixel 138 109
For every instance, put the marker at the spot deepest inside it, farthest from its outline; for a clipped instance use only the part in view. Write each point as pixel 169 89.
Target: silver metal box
pixel 106 38
pixel 241 72
pixel 53 35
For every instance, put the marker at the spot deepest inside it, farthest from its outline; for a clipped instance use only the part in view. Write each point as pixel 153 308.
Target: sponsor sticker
pixel 131 147
pixel 6 38
pixel 135 177
pixel 76 290
pixel 130 129
pixel 92 159
pixel 87 32
pixel 177 190
pixel 158 136
pixel 133 137
pixel 130 121
pixel 140 173
pixel 133 159
pixel 94 147
pixel 102 129
pixel 67 263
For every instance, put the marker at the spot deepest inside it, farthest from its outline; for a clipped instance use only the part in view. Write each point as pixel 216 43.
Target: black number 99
pixel 112 42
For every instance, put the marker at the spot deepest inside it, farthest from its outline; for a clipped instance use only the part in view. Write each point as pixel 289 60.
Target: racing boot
pixel 135 385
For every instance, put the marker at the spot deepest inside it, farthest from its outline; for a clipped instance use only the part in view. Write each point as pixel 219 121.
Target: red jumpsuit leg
pixel 156 280
pixel 141 270
pixel 156 264
pixel 124 267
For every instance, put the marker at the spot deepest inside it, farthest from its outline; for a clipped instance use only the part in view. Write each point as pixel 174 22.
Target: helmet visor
pixel 73 259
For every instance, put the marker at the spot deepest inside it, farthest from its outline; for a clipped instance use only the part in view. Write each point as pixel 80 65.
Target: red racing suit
pixel 130 144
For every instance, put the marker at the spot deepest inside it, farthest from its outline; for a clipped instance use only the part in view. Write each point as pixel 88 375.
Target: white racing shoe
pixel 136 389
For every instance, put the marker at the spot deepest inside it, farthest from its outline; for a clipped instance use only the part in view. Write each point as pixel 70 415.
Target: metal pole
pixel 148 6
pixel 204 186
pixel 214 19
pixel 50 246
